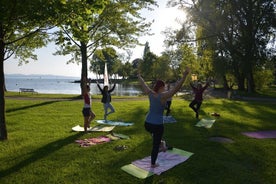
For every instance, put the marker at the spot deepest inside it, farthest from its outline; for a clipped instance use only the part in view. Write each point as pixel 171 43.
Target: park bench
pixel 26 90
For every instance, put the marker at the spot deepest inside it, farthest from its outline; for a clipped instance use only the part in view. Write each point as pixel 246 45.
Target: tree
pixel 135 65
pixel 162 69
pixel 239 30
pixel 23 28
pixel 126 70
pixel 146 67
pixel 181 50
pixel 74 34
pixel 118 24
pixel 102 56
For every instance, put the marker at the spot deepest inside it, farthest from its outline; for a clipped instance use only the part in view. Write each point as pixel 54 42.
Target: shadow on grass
pixel 41 153
pixel 214 162
pixel 31 106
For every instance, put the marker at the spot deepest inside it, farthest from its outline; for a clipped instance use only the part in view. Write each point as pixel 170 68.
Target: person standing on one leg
pixel 154 120
pixel 197 101
pixel 106 99
pixel 87 112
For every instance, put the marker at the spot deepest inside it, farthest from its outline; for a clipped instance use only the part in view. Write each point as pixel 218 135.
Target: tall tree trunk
pixel 225 84
pixel 240 81
pixel 250 83
pixel 238 73
pixel 239 77
pixel 83 64
pixel 3 129
pixel 5 89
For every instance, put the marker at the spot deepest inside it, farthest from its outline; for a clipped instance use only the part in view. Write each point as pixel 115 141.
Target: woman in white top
pixel 88 114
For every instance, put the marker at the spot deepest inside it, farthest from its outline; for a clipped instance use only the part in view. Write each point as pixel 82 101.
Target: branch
pixel 23 37
pixel 9 54
pixel 68 35
pixel 201 38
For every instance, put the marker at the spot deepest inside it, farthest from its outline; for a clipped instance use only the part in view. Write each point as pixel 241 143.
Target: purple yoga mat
pixel 261 134
pixel 165 160
pixel 221 139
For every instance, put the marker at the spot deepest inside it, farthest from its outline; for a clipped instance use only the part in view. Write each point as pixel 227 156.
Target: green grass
pixel 41 147
pixel 10 94
pixel 266 92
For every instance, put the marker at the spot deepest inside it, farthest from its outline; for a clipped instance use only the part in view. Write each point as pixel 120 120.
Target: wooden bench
pixel 26 90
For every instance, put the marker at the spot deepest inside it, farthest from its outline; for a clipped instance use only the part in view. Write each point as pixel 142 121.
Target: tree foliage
pixel 23 26
pixel 118 25
pixel 102 56
pixel 146 65
pixel 237 30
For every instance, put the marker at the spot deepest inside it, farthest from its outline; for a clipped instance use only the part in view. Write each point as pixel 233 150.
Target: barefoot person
pixel 154 120
pixel 197 101
pixel 88 114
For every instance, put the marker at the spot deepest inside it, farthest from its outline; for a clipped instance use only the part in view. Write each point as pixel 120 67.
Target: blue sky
pixel 56 65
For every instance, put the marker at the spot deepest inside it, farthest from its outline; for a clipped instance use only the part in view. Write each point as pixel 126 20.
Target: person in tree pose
pixel 87 112
pixel 154 119
pixel 197 101
pixel 106 99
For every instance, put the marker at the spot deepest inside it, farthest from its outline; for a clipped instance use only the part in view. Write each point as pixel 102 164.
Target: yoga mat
pixel 122 136
pixel 169 119
pixel 261 134
pixel 180 152
pixel 115 123
pixel 166 160
pixel 98 128
pixel 207 123
pixel 136 171
pixel 116 136
pixel 93 141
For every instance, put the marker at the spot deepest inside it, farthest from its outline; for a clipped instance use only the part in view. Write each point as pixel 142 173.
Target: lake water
pixel 61 85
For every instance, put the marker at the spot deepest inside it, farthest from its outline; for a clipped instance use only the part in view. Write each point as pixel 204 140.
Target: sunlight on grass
pixel 41 147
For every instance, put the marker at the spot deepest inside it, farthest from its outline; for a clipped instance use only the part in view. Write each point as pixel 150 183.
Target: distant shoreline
pixel 41 76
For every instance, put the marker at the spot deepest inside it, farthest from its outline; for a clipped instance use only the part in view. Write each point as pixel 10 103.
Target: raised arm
pixel 145 87
pixel 192 85
pixel 99 86
pixel 206 85
pixel 178 85
pixel 112 88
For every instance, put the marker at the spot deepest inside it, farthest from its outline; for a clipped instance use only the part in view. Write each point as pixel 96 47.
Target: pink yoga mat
pixel 165 160
pixel 93 141
pixel 261 134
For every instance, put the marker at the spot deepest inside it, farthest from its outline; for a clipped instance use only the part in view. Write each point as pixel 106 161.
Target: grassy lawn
pixel 41 147
pixel 268 92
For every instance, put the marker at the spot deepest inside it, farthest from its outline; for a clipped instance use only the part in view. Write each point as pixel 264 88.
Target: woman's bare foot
pixel 154 165
pixel 163 146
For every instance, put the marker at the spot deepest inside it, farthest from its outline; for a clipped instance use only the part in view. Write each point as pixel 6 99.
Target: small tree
pixel 23 28
pixel 118 24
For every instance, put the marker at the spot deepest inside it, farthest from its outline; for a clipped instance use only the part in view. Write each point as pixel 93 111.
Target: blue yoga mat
pixel 207 123
pixel 114 123
pixel 169 119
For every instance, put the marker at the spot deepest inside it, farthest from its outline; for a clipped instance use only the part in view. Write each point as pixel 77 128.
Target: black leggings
pixel 168 107
pixel 156 132
pixel 197 103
